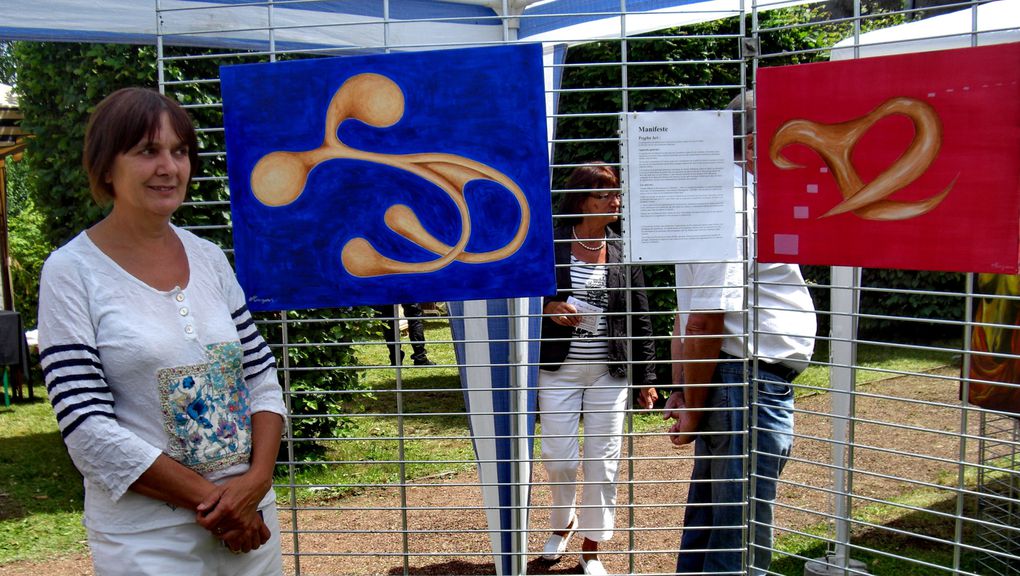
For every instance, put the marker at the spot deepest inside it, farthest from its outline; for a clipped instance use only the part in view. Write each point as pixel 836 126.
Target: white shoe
pixel 556 545
pixel 593 567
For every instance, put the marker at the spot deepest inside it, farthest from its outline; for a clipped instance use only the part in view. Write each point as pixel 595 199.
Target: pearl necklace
pixel 601 245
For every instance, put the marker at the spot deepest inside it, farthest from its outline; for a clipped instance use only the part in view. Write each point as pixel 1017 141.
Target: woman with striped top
pixel 586 335
pixel 165 393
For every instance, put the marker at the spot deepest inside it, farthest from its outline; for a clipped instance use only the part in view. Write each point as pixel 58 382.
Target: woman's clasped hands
pixel 231 513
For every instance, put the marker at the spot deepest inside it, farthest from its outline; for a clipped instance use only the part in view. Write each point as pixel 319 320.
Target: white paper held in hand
pixel 589 314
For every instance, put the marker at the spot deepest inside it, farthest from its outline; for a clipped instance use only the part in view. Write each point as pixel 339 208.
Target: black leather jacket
pixel 556 338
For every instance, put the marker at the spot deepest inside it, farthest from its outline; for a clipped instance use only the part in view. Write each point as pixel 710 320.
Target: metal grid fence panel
pixel 892 473
pixel 380 474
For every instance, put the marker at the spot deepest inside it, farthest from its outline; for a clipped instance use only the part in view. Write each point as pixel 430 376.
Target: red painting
pixel 909 161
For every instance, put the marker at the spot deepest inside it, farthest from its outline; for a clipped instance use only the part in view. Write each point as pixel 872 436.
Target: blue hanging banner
pixel 497 347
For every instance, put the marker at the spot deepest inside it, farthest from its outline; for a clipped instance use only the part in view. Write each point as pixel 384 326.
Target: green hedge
pixel 898 305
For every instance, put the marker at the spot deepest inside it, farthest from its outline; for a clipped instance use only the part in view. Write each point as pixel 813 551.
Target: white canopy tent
pixel 354 24
pixel 993 23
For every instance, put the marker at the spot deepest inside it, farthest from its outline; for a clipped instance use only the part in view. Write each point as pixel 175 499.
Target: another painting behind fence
pixel 995 344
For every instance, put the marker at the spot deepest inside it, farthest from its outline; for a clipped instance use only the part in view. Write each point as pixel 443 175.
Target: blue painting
pixel 414 177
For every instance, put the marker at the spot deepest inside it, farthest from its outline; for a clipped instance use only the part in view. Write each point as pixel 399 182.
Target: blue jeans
pixel 714 523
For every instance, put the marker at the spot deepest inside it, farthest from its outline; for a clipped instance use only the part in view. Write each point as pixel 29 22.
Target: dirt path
pixel 362 534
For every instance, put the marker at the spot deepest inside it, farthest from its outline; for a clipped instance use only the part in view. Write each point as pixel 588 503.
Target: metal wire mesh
pixel 894 471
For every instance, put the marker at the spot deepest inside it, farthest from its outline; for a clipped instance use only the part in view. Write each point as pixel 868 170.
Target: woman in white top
pixel 586 334
pixel 165 393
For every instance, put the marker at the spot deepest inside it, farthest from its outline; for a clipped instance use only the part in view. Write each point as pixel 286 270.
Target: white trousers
pixel 563 396
pixel 186 550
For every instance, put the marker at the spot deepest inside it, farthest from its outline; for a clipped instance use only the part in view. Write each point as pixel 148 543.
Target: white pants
pixel 186 550
pixel 563 396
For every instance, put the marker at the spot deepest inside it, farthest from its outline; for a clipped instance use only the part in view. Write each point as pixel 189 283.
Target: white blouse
pixel 133 372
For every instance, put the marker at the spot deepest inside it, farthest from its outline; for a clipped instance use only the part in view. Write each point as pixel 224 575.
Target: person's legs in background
pixel 559 406
pixel 559 403
pixel 604 406
pixel 391 336
pixel 712 539
pixel 772 435
pixel 416 334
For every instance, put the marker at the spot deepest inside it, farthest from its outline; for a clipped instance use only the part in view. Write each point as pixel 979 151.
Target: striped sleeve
pixel 258 363
pixel 76 385
pixel 258 358
pixel 106 454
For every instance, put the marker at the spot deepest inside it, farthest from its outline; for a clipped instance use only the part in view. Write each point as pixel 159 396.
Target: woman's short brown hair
pixel 120 122
pixel 594 175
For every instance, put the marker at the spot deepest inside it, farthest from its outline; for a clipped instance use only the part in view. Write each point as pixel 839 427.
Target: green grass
pixel 433 444
pixel 374 433
pixel 40 490
pixel 876 362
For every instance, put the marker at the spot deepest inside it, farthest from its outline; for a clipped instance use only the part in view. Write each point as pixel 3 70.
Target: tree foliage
pixel 58 86
pixel 324 358
pixel 898 305
pixel 7 68
pixel 28 245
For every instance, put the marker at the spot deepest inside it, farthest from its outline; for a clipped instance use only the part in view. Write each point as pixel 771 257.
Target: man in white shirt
pixel 710 406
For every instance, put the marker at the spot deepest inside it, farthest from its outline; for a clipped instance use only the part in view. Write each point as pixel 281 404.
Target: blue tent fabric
pixel 558 14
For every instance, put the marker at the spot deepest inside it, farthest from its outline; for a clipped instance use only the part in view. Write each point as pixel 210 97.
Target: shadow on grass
pixel 901 541
pixel 426 390
pixel 37 477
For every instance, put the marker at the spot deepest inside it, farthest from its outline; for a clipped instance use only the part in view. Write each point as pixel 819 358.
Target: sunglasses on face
pixel 604 195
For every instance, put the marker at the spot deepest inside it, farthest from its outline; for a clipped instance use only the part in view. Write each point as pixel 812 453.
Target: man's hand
pixel 674 405
pixel 685 429
pixel 698 350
